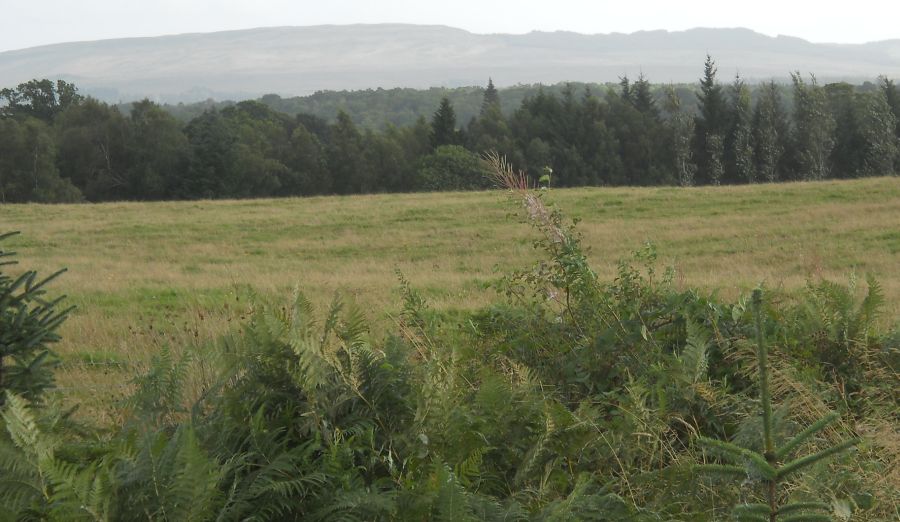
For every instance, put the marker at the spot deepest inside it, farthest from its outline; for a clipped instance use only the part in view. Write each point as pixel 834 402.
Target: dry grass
pixel 146 275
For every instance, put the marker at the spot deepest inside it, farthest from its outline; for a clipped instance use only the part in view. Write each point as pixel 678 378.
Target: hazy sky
pixel 26 24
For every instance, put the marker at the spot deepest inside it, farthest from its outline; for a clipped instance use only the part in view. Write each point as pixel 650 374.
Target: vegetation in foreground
pixel 148 275
pixel 572 398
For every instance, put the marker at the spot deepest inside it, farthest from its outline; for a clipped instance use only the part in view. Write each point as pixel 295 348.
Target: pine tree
pixel 711 122
pixel 491 98
pixel 773 466
pixel 715 158
pixel 681 128
pixel 741 134
pixel 625 89
pixel 815 128
pixel 769 133
pixel 642 98
pixel 443 125
pixel 28 323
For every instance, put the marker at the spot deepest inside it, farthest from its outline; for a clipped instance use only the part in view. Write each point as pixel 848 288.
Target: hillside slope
pixel 301 60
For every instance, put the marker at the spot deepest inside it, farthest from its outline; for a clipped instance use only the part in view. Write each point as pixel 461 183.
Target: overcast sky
pixel 27 24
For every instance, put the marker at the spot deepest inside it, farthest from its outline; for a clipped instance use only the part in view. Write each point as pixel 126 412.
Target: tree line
pixel 58 146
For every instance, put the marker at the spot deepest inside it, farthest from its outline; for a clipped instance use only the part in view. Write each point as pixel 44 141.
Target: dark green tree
pixel 158 153
pixel 28 324
pixel 212 170
pixel 892 96
pixel 770 132
pixel 41 99
pixel 772 466
pixel 642 97
pixel 711 126
pixel 308 161
pixel 681 129
pixel 814 129
pixel 452 167
pixel 28 169
pixel 443 125
pixel 346 158
pixel 92 149
pixel 491 99
pixel 879 141
pixel 740 149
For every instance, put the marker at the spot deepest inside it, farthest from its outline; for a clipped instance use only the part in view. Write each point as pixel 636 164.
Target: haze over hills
pixel 300 60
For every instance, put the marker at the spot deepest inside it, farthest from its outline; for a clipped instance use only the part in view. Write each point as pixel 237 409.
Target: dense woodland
pixel 57 146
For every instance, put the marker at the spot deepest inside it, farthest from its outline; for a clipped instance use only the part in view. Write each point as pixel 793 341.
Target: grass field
pixel 146 275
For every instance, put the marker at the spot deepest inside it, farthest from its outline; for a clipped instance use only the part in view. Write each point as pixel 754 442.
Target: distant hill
pixel 294 61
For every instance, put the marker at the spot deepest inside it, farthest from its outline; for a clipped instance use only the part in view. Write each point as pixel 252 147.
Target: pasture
pixel 148 275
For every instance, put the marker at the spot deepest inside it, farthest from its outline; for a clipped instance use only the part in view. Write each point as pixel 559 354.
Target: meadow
pixel 148 275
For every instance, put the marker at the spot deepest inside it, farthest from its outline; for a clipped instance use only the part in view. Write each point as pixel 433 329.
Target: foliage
pixel 774 464
pixel 57 146
pixel 28 324
pixel 571 397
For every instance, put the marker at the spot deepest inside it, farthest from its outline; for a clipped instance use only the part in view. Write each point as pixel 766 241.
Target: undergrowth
pixel 570 398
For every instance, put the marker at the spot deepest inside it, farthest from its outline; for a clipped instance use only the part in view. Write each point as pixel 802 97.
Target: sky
pixel 28 24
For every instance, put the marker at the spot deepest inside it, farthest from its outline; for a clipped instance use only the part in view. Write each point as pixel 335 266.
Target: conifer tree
pixel 741 145
pixel 815 128
pixel 711 125
pixel 642 98
pixel 491 98
pixel 773 465
pixel 28 323
pixel 443 125
pixel 769 132
pixel 715 158
pixel 625 88
pixel 681 128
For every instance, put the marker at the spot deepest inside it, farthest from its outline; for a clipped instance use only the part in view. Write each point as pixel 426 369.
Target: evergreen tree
pixel 28 324
pixel 741 134
pixel 769 133
pixel 443 125
pixel 715 158
pixel 814 129
pixel 642 97
pixel 681 129
pixel 711 125
pixel 491 99
pixel 625 91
